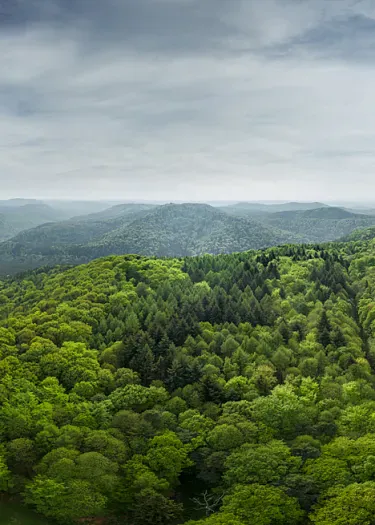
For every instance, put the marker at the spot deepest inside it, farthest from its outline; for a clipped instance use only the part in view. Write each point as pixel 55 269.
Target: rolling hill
pixel 170 230
pixel 77 208
pixel 188 229
pixel 17 215
pixel 245 209
pixel 319 225
pixel 15 218
pixel 365 234
pixel 117 211
pixel 16 203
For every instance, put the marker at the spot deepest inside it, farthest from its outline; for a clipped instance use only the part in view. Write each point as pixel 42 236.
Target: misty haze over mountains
pixel 36 233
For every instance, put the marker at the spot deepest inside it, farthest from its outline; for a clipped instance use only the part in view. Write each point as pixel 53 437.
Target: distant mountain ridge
pixel 77 230
pixel 325 213
pixel 172 230
pixel 243 208
pixel 190 229
pixel 18 215
pixel 15 218
pixel 16 203
pixel 319 225
pixel 169 230
pixel 119 210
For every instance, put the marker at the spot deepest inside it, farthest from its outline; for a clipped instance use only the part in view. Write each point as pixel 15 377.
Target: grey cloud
pixel 186 26
pixel 186 99
pixel 146 25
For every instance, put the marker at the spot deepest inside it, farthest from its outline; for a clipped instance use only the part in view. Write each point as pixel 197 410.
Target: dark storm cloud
pixel 184 26
pixel 148 25
pixel 187 99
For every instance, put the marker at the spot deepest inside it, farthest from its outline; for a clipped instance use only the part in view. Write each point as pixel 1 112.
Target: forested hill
pixel 246 208
pixel 361 235
pixel 319 225
pixel 214 390
pixel 14 219
pixel 117 211
pixel 173 230
pixel 188 229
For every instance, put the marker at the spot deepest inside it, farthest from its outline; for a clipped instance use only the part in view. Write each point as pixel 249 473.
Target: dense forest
pixel 214 390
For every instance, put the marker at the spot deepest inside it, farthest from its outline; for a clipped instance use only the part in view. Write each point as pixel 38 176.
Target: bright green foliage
pixel 352 505
pixel 264 464
pixel 167 456
pixel 263 505
pixel 64 501
pixel 225 437
pixel 131 386
pixel 5 475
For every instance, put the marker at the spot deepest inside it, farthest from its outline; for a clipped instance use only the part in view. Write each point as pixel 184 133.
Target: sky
pixel 187 99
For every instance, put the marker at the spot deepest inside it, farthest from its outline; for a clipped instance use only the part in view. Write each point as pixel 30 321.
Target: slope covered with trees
pixel 231 389
pixel 243 209
pixel 170 230
pixel 188 229
pixel 175 230
pixel 14 218
pixel 118 211
pixel 18 215
pixel 310 222
pixel 319 225
pixel 365 234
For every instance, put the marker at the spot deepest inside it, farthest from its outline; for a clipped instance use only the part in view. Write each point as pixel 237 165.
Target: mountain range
pixel 49 235
pixel 14 219
pixel 17 215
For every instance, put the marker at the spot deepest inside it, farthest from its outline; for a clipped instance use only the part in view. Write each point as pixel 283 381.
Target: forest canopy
pixel 230 389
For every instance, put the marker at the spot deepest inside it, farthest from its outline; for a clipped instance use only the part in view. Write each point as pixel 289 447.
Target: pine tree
pixel 324 329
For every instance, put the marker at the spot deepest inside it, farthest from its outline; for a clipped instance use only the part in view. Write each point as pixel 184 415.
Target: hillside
pixel 144 391
pixel 366 234
pixel 16 203
pixel 327 213
pixel 75 208
pixel 171 230
pixel 244 209
pixel 332 213
pixel 311 222
pixel 18 215
pixel 15 218
pixel 114 212
pixel 62 242
pixel 319 225
pixel 188 229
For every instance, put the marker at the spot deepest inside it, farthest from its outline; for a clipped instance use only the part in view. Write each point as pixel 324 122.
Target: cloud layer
pixel 187 99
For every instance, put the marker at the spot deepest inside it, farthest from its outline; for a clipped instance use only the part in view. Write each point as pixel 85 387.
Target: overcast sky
pixel 187 99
